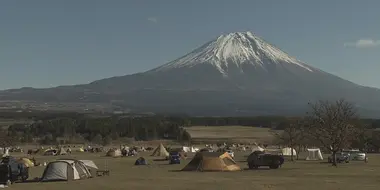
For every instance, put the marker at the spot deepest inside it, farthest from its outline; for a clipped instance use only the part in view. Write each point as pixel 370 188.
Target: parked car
pixel 358 155
pixel 258 158
pixel 174 158
pixel 340 157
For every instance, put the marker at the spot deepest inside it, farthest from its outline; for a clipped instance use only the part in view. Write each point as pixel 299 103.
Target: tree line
pixel 332 125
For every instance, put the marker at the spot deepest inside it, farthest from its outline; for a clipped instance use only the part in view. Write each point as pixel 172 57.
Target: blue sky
pixel 47 43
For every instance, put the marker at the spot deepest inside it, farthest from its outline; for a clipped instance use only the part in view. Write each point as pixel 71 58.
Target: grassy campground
pixel 300 175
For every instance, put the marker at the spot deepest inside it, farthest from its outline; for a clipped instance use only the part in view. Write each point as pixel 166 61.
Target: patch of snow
pixel 238 49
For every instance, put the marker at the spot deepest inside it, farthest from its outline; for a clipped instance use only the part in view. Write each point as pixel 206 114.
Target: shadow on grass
pixel 176 171
pixel 35 180
pixel 160 160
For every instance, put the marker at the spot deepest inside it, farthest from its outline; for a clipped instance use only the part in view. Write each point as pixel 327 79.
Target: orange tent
pixel 212 161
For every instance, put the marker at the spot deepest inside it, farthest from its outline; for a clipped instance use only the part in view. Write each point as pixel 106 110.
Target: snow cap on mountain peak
pixel 235 48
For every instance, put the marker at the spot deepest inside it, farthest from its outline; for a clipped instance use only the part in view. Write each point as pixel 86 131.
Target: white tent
pixel 186 149
pixel 190 149
pixel 193 149
pixel 257 148
pixel 6 152
pixel 288 151
pixel 65 170
pixel 314 154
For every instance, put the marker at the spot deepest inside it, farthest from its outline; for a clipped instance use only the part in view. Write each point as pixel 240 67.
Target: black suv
pixel 258 158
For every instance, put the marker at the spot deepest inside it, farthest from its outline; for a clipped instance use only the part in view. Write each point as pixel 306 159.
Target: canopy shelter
pixel 288 151
pixel 212 161
pixel 314 154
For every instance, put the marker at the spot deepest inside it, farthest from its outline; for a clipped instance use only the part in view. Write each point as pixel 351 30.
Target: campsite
pixel 160 175
pixel 119 152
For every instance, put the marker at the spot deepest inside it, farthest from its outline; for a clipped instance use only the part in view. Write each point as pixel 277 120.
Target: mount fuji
pixel 235 74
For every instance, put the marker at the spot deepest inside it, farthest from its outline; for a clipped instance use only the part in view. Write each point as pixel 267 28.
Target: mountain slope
pixel 235 74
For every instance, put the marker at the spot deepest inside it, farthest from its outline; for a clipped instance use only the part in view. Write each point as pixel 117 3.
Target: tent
pixel 50 152
pixel 141 161
pixel 27 162
pixel 257 148
pixel 314 154
pixel 61 151
pixel 189 149
pixel 65 170
pixel 114 153
pixel 91 166
pixel 288 151
pixel 6 152
pixel 186 149
pixel 160 151
pixel 212 161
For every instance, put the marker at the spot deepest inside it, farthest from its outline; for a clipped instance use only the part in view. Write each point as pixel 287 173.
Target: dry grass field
pixel 231 133
pixel 299 175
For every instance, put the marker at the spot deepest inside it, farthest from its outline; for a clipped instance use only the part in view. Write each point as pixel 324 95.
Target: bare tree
pixel 333 124
pixel 291 136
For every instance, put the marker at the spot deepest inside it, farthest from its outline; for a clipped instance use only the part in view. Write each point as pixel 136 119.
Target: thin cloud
pixel 153 19
pixel 363 43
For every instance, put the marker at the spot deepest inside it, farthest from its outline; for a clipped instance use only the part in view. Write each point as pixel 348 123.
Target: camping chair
pixel 104 172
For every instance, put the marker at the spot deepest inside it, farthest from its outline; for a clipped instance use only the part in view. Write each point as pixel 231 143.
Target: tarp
pixel 27 162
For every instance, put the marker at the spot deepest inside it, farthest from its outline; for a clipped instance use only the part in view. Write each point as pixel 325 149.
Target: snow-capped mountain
pixel 234 74
pixel 237 49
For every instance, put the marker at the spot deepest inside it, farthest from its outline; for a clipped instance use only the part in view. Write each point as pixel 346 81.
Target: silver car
pixel 357 155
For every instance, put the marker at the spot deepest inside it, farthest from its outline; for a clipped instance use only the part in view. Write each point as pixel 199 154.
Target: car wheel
pixel 251 166
pixel 274 166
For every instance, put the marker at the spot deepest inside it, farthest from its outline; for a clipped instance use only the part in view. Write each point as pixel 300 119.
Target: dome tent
pixel 212 161
pixel 141 161
pixel 114 153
